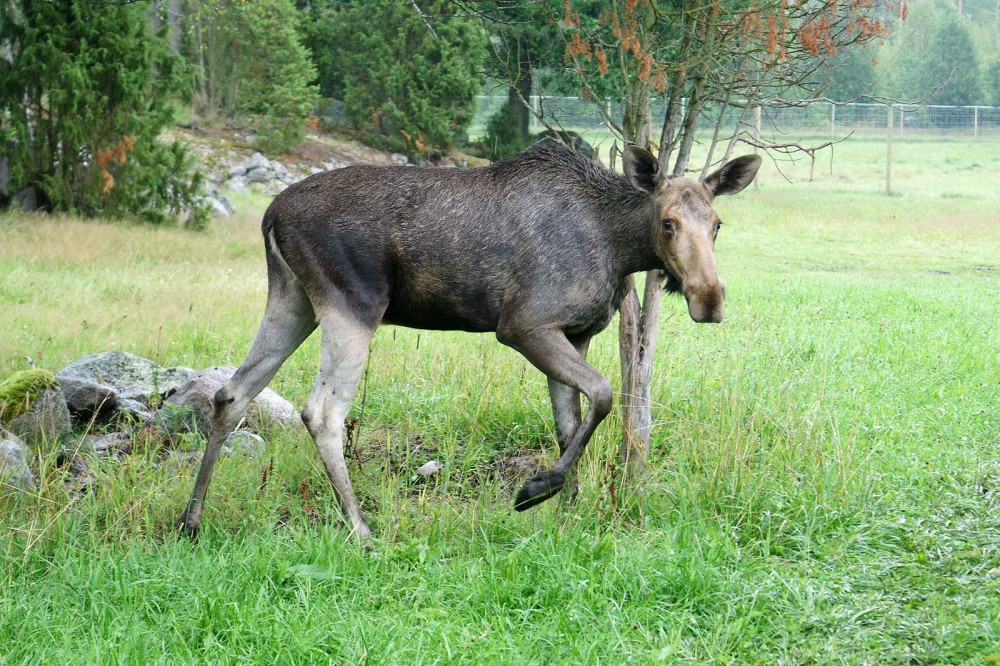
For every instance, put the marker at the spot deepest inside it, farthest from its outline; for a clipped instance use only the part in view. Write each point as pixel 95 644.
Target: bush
pixel 408 88
pixel 503 136
pixel 88 91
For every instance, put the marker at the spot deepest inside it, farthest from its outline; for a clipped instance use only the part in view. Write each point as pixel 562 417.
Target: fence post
pixel 975 122
pixel 888 151
pixel 833 119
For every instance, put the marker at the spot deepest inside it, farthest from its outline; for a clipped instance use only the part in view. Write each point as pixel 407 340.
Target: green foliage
pixel 503 136
pixel 406 87
pixel 87 94
pixel 953 62
pixel 18 391
pixel 252 67
pixel 851 74
pixel 932 49
pixel 993 83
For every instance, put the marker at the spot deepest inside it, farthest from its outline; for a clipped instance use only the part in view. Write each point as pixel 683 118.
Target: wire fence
pixel 824 119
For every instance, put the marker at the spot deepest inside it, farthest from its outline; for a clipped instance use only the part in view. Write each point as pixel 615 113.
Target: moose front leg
pixel 567 415
pixel 551 352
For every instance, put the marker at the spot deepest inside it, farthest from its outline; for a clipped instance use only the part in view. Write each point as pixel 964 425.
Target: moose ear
pixel 640 169
pixel 733 176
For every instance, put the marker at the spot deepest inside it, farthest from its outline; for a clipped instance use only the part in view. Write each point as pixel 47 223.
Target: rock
pixel 280 170
pixel 429 468
pixel 18 391
pixel 14 470
pixel 197 397
pixel 25 200
pixel 258 161
pixel 79 472
pixel 238 170
pixel 313 170
pixel 400 158
pixel 244 442
pixel 259 175
pixel 237 185
pixel 134 411
pixel 251 139
pixel 46 422
pixel 5 190
pixel 217 208
pixel 111 444
pixel 273 187
pixel 86 399
pixel 132 377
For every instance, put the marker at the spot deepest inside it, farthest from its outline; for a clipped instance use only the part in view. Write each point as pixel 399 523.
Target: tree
pixel 252 67
pixel 408 72
pixel 708 60
pixel 952 64
pixel 87 92
pixel 993 83
pixel 851 75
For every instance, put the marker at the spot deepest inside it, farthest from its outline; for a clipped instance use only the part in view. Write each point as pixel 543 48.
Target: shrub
pixel 408 88
pixel 87 93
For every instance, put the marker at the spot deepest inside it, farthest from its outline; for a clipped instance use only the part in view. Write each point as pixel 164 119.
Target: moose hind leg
pixel 344 350
pixel 288 321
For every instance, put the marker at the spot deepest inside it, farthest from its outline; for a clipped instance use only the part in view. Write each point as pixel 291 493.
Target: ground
pixel 824 482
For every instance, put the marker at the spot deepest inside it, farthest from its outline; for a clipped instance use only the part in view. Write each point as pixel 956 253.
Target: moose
pixel 536 248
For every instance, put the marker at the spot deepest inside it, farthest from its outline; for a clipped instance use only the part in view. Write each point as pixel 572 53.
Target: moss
pixel 19 390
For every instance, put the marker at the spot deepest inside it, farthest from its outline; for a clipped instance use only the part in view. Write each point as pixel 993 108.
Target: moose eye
pixel 718 225
pixel 668 226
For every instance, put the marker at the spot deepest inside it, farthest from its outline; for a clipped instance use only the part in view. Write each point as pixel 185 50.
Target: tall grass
pixel 822 486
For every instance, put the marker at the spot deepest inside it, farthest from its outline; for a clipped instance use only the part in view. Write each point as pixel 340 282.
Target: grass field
pixel 824 483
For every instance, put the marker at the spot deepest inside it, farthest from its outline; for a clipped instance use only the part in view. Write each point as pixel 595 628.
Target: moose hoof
pixel 186 526
pixel 539 488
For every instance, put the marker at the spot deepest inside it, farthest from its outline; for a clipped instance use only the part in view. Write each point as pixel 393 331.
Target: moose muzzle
pixel 705 300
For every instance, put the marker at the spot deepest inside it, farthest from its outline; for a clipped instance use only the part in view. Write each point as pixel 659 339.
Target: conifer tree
pixel 84 96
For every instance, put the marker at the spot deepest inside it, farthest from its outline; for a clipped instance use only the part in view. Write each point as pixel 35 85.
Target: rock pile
pixel 110 398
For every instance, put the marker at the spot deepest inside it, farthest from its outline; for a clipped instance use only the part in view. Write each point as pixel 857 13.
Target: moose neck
pixel 629 218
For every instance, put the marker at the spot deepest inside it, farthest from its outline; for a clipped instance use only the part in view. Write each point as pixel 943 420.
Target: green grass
pixel 824 482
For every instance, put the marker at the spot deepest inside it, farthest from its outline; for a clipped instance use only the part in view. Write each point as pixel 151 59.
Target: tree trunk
pixel 521 90
pixel 638 326
pixel 638 323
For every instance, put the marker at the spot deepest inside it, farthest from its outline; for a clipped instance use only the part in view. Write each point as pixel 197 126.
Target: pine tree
pixel 953 62
pixel 408 77
pixel 87 94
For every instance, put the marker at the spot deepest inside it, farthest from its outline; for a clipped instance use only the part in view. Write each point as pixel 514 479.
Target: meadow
pixel 823 484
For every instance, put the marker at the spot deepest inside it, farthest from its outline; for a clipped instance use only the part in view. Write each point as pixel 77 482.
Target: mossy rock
pixel 18 391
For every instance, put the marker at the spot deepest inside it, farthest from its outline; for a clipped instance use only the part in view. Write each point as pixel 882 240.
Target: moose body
pixel 536 248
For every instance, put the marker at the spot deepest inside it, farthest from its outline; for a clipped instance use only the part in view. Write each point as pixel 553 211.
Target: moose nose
pixel 705 301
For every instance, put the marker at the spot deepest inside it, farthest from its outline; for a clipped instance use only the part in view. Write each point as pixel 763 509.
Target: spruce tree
pixel 85 94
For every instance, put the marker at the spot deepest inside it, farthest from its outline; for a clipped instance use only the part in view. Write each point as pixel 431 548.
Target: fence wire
pixel 824 119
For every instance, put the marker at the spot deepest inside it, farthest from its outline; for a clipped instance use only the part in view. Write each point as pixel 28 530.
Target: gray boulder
pixel 5 190
pixel 237 185
pixel 190 407
pixel 110 444
pixel 25 200
pixel 244 442
pixel 86 399
pixel 258 161
pixel 259 175
pixel 46 421
pixel 131 377
pixel 14 470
